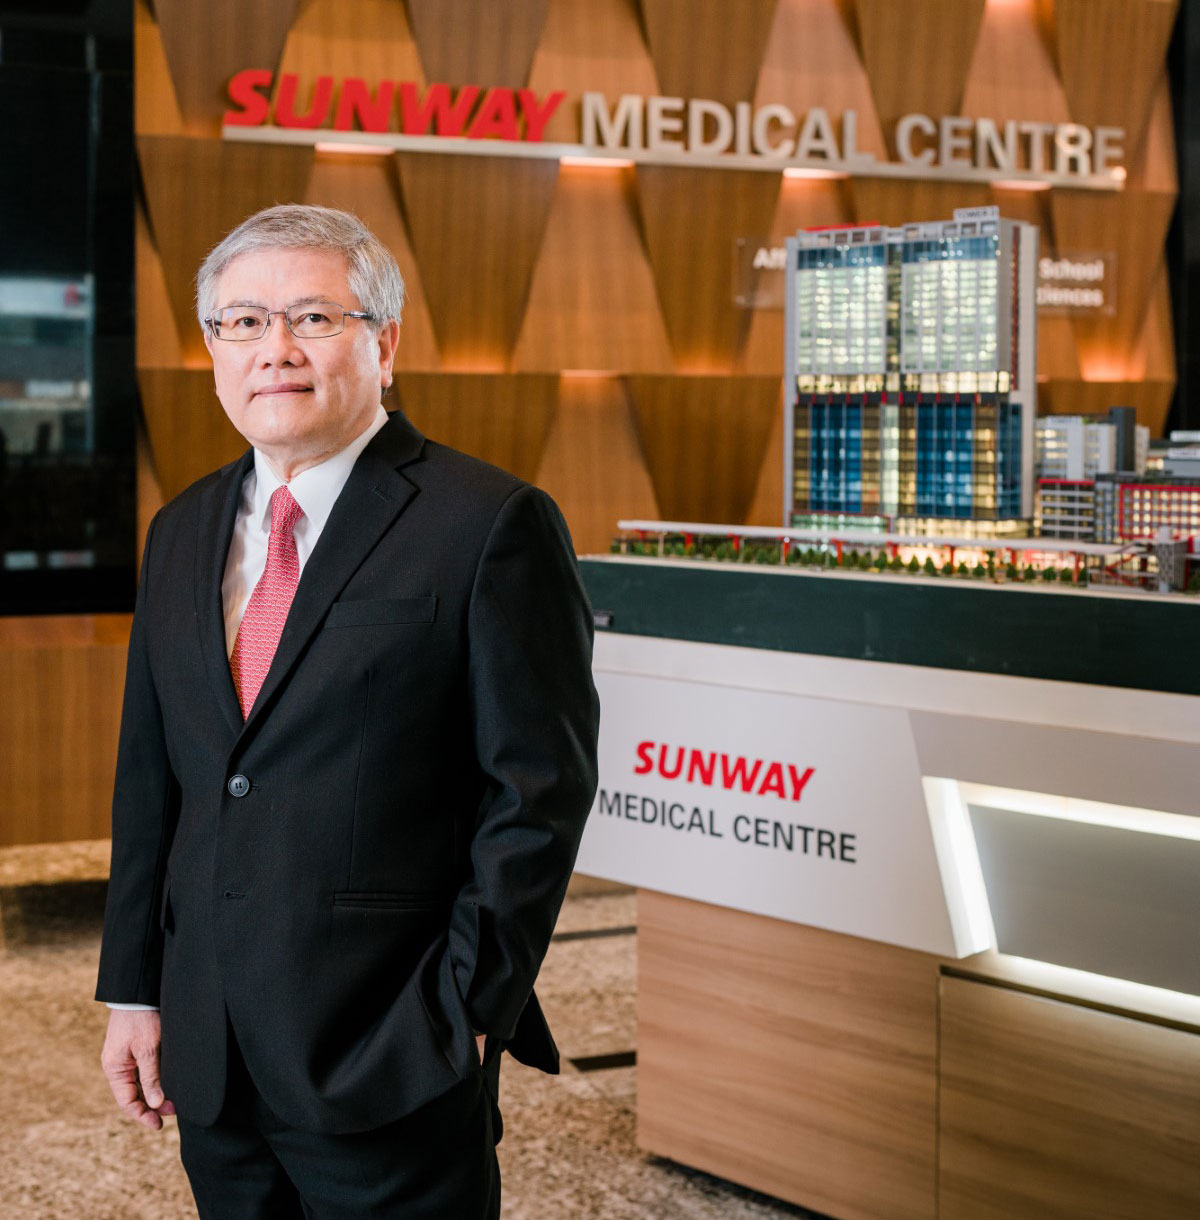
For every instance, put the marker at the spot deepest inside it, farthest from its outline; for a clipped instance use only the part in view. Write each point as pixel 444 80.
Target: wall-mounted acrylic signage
pixel 1075 282
pixel 1068 282
pixel 657 130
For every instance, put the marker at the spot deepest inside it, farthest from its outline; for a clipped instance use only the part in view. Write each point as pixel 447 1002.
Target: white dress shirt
pixel 315 490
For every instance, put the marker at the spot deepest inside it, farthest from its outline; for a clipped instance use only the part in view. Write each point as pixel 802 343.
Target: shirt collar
pixel 315 489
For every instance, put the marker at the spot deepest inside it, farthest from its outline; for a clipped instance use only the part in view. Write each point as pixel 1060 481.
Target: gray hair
pixel 371 270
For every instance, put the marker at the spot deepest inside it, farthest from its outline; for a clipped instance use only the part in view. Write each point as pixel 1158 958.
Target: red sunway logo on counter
pixel 468 110
pixel 712 768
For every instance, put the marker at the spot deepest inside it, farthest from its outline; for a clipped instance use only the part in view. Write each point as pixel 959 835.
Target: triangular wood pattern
pixel 848 11
pixel 207 41
pixel 804 203
pixel 476 225
pixel 189 433
pixel 369 187
pixel 592 465
pixel 703 48
pixel 592 303
pixel 1154 353
pixel 197 190
pixel 1056 354
pixel 463 42
pixel 157 336
pixel 767 506
pixel 1134 226
pixel 370 39
pixel 503 419
pixel 917 54
pixel 155 106
pixel 691 219
pixel 1012 73
pixel 811 59
pixel 704 440
pixel 892 201
pixel 590 44
pixel 149 489
pixel 1111 55
pixel 1154 167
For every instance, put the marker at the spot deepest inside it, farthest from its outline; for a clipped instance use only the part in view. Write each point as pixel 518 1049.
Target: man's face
pixel 299 401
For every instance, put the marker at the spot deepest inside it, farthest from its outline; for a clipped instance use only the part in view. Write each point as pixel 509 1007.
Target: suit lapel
pixel 375 494
pixel 218 512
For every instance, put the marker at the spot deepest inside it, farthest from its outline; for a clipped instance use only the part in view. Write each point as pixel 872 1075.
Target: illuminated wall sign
pixel 663 131
pixel 1077 283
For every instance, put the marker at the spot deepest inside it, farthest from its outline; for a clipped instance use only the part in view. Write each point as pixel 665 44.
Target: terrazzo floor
pixel 569 1150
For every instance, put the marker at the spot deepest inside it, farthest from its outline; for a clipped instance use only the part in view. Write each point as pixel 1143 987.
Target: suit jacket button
pixel 239 785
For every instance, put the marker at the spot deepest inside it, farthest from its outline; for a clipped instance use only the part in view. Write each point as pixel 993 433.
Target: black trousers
pixel 436 1163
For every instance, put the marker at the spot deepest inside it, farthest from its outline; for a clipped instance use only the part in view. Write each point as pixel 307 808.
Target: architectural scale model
pixel 912 442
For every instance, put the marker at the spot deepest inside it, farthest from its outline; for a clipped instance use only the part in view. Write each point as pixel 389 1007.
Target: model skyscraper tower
pixel 912 376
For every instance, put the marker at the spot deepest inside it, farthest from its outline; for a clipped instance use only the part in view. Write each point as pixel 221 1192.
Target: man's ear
pixel 389 340
pixel 208 339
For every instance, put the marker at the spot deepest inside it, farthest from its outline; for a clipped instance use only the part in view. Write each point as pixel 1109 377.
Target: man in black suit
pixel 357 751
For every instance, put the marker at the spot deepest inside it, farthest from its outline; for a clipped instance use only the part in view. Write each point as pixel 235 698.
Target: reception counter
pixel 917 861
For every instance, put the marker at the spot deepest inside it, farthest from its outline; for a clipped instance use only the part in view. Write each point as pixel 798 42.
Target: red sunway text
pixel 731 771
pixel 469 111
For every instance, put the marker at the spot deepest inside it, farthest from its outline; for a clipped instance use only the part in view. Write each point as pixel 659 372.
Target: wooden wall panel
pixel 463 42
pixel 1012 73
pixel 369 186
pixel 149 490
pixel 369 39
pixel 207 41
pixel 597 41
pixel 917 54
pixel 188 430
pixel 706 49
pixel 834 75
pixel 704 440
pixel 891 201
pixel 690 218
pixel 1153 352
pixel 477 225
pixel 1061 1112
pixel 58 742
pixel 592 302
pixel 766 508
pixel 157 342
pixel 592 461
pixel 1102 42
pixel 794 1060
pixel 155 106
pixel 1134 226
pixel 804 203
pixel 504 420
pixel 197 190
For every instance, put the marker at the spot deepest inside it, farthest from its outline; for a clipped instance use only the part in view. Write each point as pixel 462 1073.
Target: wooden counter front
pixel 869 1082
pixel 800 1062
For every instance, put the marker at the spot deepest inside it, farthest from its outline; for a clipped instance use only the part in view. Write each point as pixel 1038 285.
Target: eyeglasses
pixel 314 320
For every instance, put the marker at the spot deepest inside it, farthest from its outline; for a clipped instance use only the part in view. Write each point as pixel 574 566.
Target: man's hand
pixel 130 1061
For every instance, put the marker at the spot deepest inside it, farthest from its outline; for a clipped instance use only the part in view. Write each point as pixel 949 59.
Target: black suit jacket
pixel 421 760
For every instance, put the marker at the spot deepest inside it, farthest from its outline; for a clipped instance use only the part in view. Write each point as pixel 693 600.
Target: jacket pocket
pixel 379 613
pixel 382 901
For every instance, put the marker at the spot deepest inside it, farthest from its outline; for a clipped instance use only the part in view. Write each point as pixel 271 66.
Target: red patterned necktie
pixel 267 609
